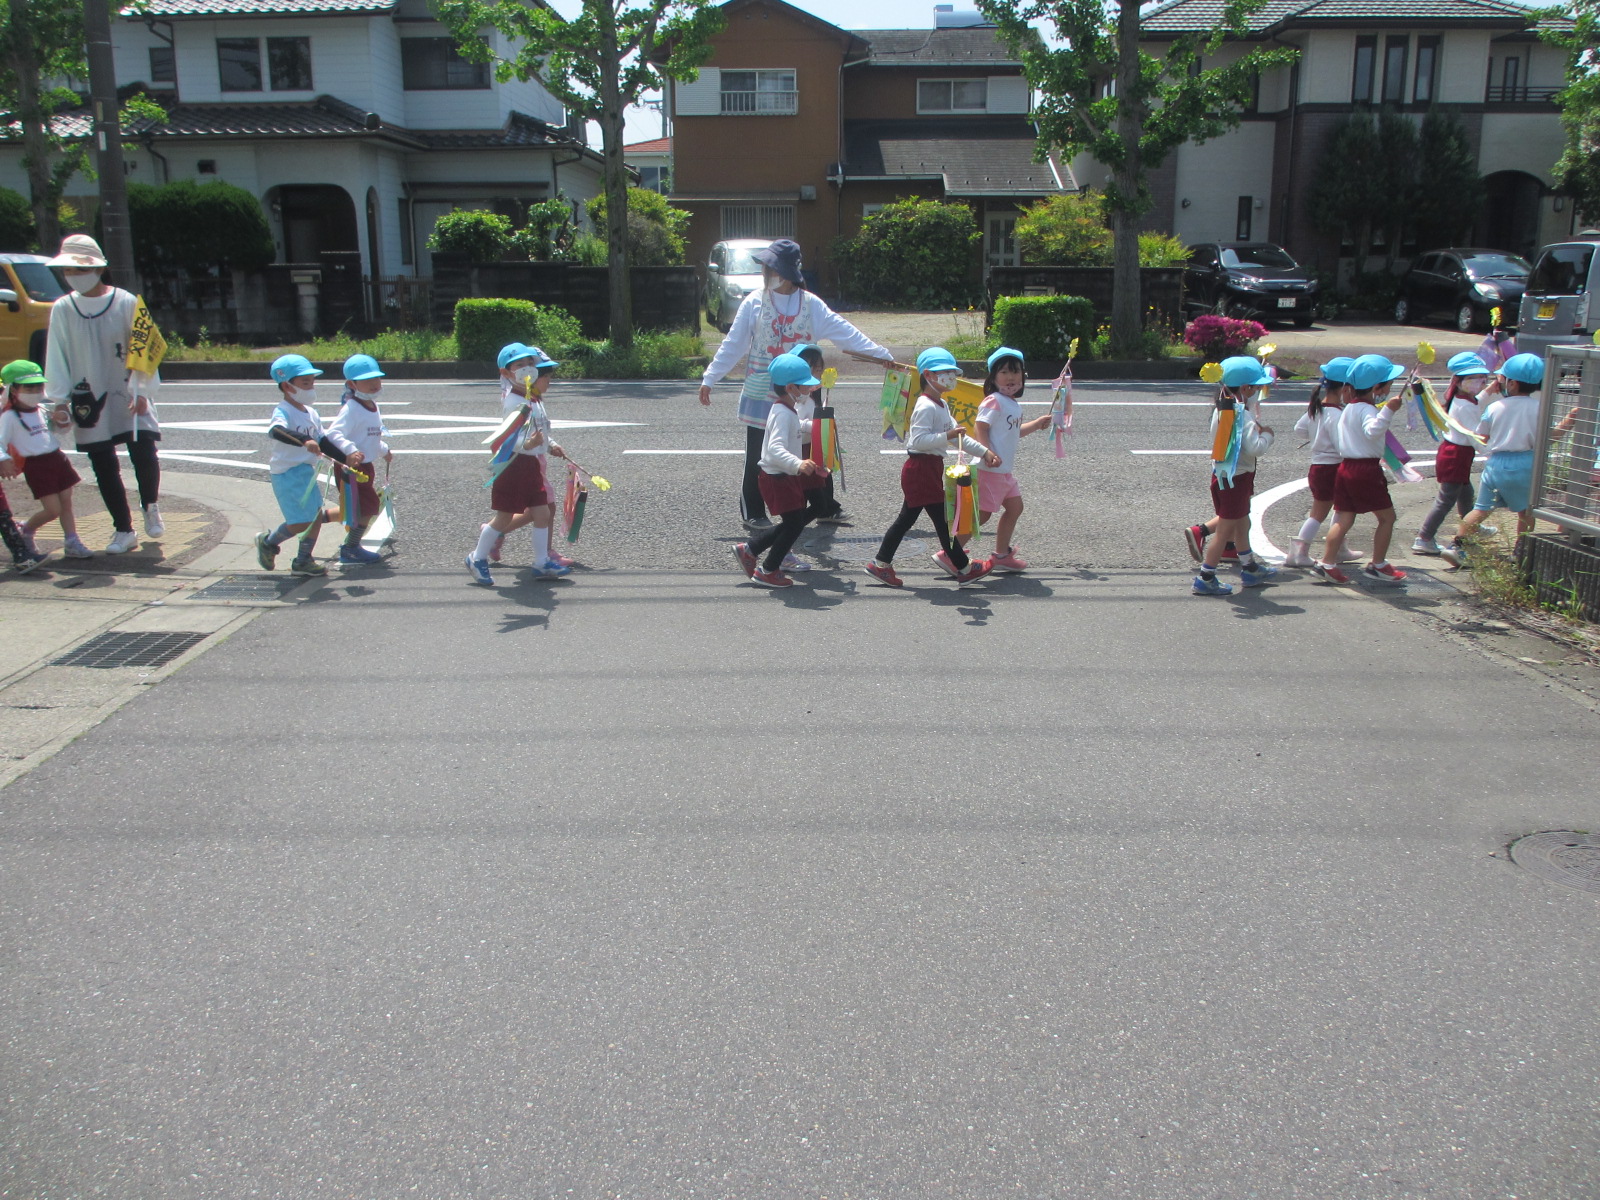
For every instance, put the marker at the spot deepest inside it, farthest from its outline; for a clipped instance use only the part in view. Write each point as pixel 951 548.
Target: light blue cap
pixel 510 353
pixel 541 360
pixel 1007 352
pixel 1370 370
pixel 1467 363
pixel 791 368
pixel 1244 371
pixel 1524 368
pixel 362 366
pixel 936 358
pixel 1337 370
pixel 291 366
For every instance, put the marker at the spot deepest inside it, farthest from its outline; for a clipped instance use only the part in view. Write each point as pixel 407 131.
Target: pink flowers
pixel 1215 338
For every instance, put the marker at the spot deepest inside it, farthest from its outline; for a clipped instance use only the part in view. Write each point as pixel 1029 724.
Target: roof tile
pixel 973 157
pixel 981 45
pixel 167 9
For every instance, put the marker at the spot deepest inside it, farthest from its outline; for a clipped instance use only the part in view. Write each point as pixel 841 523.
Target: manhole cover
pixel 249 587
pixel 1572 859
pixel 863 549
pixel 129 650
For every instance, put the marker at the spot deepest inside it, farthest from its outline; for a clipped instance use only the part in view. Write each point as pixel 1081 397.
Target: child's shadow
pixel 971 603
pixel 1254 603
pixel 1018 585
pixel 541 607
pixel 821 590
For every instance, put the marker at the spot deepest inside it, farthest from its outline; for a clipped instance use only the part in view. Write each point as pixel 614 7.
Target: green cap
pixel 21 371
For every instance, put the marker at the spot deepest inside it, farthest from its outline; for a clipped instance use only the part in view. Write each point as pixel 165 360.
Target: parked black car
pixel 1249 279
pixel 1462 284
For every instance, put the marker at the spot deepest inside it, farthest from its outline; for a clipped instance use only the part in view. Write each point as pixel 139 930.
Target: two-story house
pixel 1478 59
pixel 355 122
pixel 798 128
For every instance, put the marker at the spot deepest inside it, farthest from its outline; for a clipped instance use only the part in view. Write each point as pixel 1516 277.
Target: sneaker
pixel 1425 546
pixel 550 570
pixel 154 526
pixel 1330 573
pixel 480 571
pixel 74 548
pixel 499 543
pixel 1349 554
pixel 357 556
pixel 884 575
pixel 793 562
pixel 1195 537
pixel 561 560
pixel 266 552
pixel 771 579
pixel 29 560
pixel 1384 573
pixel 976 570
pixel 1007 563
pixel 307 566
pixel 945 564
pixel 1256 574
pixel 1230 551
pixel 758 524
pixel 839 517
pixel 1210 585
pixel 123 542
pixel 747 561
pixel 1489 529
pixel 1299 560
pixel 1455 554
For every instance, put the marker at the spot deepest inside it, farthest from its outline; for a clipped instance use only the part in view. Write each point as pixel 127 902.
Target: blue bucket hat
pixel 541 360
pixel 1524 368
pixel 1337 370
pixel 1370 370
pixel 510 353
pixel 803 347
pixel 783 256
pixel 1006 352
pixel 1467 363
pixel 1244 371
pixel 791 368
pixel 291 366
pixel 937 358
pixel 362 366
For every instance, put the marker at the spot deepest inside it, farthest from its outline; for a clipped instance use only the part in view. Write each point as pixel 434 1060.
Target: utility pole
pixel 116 238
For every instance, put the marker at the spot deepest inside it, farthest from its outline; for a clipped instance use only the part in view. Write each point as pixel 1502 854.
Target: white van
pixel 1561 306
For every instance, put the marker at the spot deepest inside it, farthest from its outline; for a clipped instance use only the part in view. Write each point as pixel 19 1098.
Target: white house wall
pixel 1529 142
pixel 1327 62
pixel 1464 63
pixel 1213 176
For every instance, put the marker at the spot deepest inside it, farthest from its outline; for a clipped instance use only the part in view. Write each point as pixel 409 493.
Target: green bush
pixel 1162 250
pixel 912 252
pixel 1068 230
pixel 1374 291
pixel 197 227
pixel 652 356
pixel 17 230
pixel 1043 326
pixel 656 230
pixel 589 250
pixel 482 236
pixel 483 326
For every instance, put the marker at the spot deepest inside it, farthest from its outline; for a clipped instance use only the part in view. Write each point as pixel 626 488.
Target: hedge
pixel 483 326
pixel 1043 327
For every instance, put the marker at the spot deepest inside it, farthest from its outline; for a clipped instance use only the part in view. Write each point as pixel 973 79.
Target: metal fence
pixel 1566 478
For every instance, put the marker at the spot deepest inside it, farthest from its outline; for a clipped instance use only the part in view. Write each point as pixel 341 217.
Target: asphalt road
pixel 648 883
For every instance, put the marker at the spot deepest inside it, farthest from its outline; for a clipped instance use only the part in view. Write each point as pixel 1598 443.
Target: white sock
pixel 1308 531
pixel 486 541
pixel 541 545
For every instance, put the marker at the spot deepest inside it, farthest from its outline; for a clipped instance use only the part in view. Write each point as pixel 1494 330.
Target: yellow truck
pixel 27 290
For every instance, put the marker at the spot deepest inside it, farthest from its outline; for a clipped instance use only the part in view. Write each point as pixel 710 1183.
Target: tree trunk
pixel 616 176
pixel 1128 182
pixel 42 194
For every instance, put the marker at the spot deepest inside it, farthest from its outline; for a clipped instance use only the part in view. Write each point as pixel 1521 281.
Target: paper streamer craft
pixel 1225 446
pixel 1061 408
pixel 350 503
pixel 825 439
pixel 961 501
pixel 899 382
pixel 1399 460
pixel 1428 410
pixel 576 500
pixel 1496 347
pixel 964 400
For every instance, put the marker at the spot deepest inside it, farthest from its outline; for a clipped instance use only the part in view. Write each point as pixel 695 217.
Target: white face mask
pixel 82 281
pixel 943 380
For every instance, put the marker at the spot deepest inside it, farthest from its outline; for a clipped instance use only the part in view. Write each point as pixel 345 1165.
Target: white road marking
pixel 184 456
pixel 683 451
pixel 1169 452
pixel 1259 503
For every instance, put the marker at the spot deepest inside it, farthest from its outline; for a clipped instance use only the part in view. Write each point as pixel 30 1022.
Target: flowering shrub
pixel 1215 338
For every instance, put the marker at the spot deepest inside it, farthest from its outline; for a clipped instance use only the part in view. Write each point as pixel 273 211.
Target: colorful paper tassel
pixel 894 402
pixel 1426 401
pixel 825 439
pixel 1061 408
pixel 1399 459
pixel 573 505
pixel 961 501
pixel 1226 445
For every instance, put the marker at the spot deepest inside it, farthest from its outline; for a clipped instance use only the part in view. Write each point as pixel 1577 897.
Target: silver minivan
pixel 1561 306
pixel 731 275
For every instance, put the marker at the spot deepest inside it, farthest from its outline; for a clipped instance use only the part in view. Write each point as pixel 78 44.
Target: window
pixel 757 220
pixel 759 92
pixel 408 250
pixel 868 209
pixel 1395 50
pixel 435 65
pixel 239 64
pixel 656 179
pixel 1366 59
pixel 1562 271
pixel 206 166
pixel 1242 223
pixel 1427 64
pixel 1509 78
pixel 952 95
pixel 289 63
pixel 163 65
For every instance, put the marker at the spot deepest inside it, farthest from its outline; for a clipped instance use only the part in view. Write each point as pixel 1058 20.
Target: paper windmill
pixel 1211 372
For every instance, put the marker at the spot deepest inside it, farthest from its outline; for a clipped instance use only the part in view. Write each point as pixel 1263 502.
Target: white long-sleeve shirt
pixel 358 427
pixel 85 365
pixel 1363 429
pixel 28 432
pixel 1323 433
pixel 824 323
pixel 931 422
pixel 1468 411
pixel 305 424
pixel 538 419
pixel 780 449
pixel 1253 440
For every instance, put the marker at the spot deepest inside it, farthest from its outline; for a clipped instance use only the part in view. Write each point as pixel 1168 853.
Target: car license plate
pixel 1547 312
pixel 1285 301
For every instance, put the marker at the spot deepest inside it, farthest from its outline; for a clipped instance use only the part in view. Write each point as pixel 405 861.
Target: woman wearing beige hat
pixel 87 377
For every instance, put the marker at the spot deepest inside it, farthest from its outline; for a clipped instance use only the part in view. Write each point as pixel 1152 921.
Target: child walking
pixel 1452 469
pixel 999 427
pixel 932 429
pixel 1512 426
pixel 784 474
pixel 832 510
pixel 50 476
pixel 297 442
pixel 1241 377
pixel 358 433
pixel 1320 426
pixel 1359 486
pixel 521 494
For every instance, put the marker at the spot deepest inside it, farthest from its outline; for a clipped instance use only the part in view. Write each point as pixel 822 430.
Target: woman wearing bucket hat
pixel 88 379
pixel 771 321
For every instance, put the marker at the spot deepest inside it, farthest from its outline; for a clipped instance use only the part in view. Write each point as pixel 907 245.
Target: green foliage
pixel 588 250
pixel 912 252
pixel 1043 326
pixel 482 236
pixel 18 230
pixel 1162 250
pixel 1450 192
pixel 43 40
pixel 549 232
pixel 1365 182
pixel 651 356
pixel 1579 166
pixel 483 326
pixel 196 228
pixel 1374 291
pixel 395 345
pixel 1068 230
pixel 656 229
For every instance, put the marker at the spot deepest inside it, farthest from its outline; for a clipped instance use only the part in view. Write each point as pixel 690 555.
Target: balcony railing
pixel 761 103
pixel 1519 93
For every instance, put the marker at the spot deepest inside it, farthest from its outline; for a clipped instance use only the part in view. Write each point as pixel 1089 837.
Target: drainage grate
pixel 129 650
pixel 249 587
pixel 1561 857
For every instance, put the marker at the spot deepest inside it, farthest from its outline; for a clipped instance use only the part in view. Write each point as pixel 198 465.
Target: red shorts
pixel 922 479
pixel 367 503
pixel 1360 487
pixel 520 486
pixel 1454 464
pixel 1321 477
pixel 1233 503
pixel 784 493
pixel 48 474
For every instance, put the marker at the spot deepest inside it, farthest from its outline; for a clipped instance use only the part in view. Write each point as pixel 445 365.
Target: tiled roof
pixel 1200 16
pixel 658 146
pixel 519 131
pixel 947 47
pixel 974 157
pixel 168 9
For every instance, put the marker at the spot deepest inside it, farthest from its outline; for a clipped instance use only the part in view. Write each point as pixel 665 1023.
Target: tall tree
pixel 1366 183
pixel 596 64
pixel 42 40
pixel 1579 167
pixel 1100 94
pixel 1449 194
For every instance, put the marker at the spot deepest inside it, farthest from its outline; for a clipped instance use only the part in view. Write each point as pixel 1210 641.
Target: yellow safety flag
pixel 146 346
